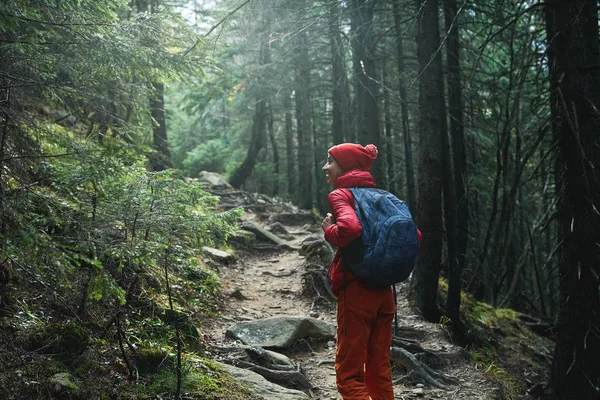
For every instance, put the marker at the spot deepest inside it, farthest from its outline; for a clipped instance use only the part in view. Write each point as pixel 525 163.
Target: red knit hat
pixel 353 156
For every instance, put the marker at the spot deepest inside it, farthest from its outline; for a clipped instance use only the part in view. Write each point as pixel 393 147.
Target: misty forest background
pixel 485 114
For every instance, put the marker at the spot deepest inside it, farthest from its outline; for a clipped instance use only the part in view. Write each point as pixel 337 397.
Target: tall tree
pixel 365 78
pixel 258 136
pixel 341 92
pixel 408 157
pixel 289 147
pixel 572 30
pixel 162 160
pixel 303 115
pixel 431 108
pixel 460 163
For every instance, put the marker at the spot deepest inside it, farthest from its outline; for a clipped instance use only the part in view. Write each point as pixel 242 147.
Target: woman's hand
pixel 328 221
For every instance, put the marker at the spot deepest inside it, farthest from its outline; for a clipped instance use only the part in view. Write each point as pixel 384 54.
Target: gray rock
pixel 219 255
pixel 63 380
pixel 262 387
pixel 282 331
pixel 268 357
pixel 214 180
pixel 278 358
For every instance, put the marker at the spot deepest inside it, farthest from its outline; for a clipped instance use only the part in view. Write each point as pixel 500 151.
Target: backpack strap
pixel 396 316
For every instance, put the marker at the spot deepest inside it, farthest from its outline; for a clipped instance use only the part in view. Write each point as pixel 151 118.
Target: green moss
pixel 150 359
pixel 500 344
pixel 64 380
pixel 201 378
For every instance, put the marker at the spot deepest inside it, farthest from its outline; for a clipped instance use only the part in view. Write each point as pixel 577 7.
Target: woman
pixel 364 314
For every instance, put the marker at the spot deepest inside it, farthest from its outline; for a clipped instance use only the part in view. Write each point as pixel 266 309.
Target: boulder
pixel 219 255
pixel 281 331
pixel 261 387
pixel 214 180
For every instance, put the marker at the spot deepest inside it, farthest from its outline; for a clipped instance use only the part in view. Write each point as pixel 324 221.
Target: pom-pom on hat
pixel 354 156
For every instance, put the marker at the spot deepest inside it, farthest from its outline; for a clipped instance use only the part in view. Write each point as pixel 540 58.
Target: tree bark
pixel 275 190
pixel 408 158
pixel 341 92
pixel 572 30
pixel 366 90
pixel 303 118
pixel 292 183
pixel 391 181
pixel 258 134
pixel 455 109
pixel 159 128
pixel 429 212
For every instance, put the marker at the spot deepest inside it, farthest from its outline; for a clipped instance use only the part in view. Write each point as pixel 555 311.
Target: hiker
pixel 364 313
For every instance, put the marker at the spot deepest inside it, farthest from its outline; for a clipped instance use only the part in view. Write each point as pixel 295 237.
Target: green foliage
pixel 195 382
pixel 206 157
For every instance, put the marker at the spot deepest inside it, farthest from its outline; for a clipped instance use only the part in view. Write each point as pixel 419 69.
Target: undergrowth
pixel 93 237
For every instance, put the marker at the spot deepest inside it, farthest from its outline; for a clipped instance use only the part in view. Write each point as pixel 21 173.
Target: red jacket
pixel 347 226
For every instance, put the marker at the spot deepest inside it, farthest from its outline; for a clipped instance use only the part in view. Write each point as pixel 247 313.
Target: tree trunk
pixel 366 90
pixel 572 29
pixel 408 158
pixel 271 130
pixel 455 109
pixel 319 156
pixel 257 142
pixel 159 128
pixel 341 92
pixel 292 183
pixel 303 119
pixel 391 181
pixel 258 133
pixel 429 212
pixel 450 215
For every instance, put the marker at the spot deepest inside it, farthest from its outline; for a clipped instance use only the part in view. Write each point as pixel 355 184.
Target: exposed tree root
pixel 316 284
pixel 286 374
pixel 418 371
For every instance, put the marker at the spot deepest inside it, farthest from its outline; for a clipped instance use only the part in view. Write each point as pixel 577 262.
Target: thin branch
pixel 216 26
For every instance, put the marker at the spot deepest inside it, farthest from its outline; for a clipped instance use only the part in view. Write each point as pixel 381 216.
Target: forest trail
pixel 263 284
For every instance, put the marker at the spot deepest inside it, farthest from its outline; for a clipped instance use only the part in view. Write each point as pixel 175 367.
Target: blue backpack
pixel 386 252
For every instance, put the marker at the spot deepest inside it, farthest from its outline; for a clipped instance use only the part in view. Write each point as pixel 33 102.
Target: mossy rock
pixel 64 381
pixel 150 359
pixel 65 340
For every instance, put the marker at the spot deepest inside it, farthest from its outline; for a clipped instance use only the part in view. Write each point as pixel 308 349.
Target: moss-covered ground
pixel 502 346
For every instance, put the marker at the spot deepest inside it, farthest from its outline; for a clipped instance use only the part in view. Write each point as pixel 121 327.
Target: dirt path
pixel 264 284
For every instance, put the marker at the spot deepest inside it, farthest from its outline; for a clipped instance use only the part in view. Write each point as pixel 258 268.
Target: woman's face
pixel 332 170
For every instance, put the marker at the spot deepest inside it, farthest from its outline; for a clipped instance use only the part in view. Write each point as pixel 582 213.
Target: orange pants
pixel 364 336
